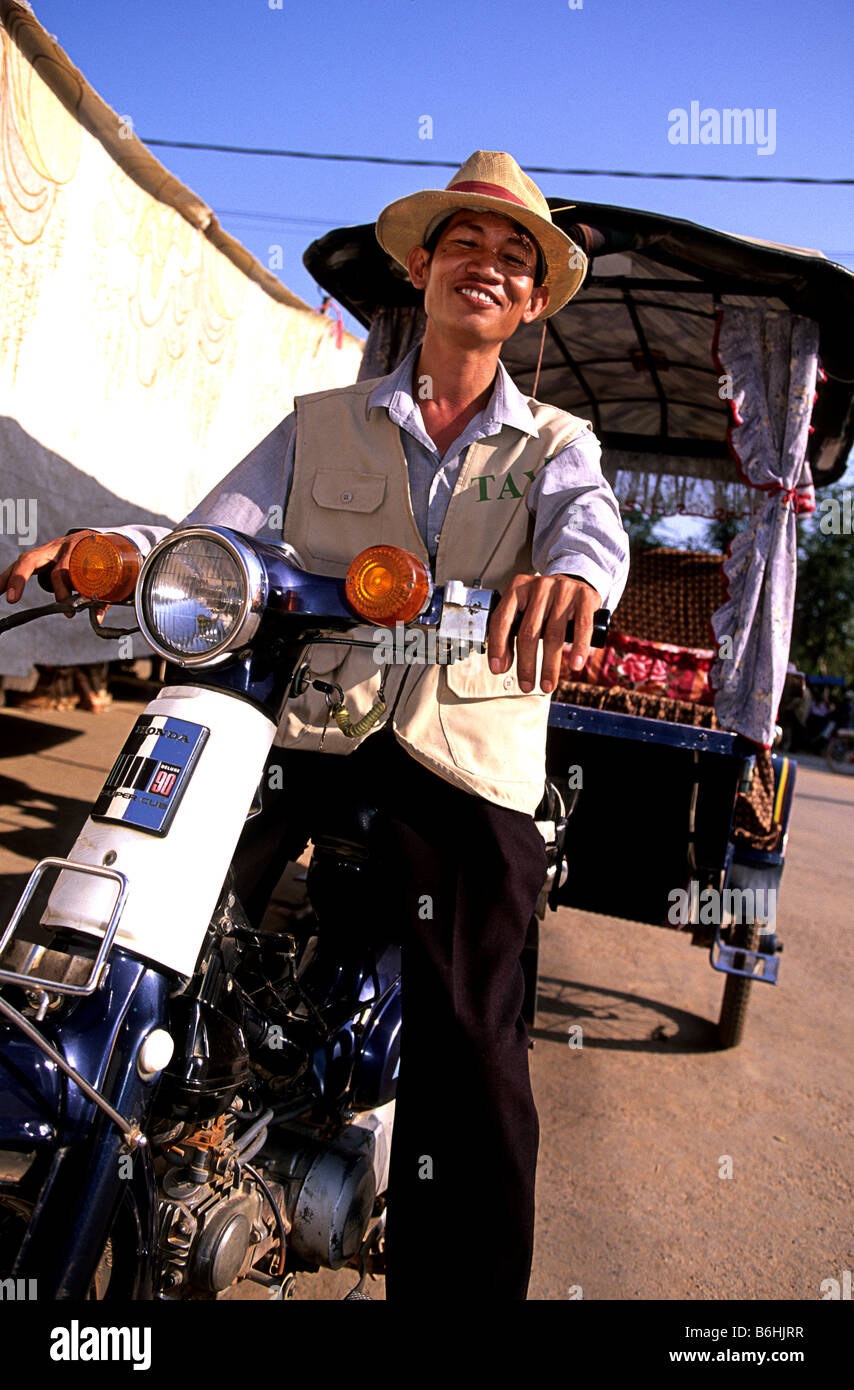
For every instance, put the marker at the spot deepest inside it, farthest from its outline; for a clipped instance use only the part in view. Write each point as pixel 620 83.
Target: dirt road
pixel 638 1124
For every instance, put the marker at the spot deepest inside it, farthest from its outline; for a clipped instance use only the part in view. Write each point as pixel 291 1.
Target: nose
pixel 482 261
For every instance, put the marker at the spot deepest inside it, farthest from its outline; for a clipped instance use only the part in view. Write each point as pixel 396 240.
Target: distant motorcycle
pixel 839 753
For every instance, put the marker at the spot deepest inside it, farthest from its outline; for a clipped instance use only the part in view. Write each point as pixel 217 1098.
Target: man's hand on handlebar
pixel 53 553
pixel 543 605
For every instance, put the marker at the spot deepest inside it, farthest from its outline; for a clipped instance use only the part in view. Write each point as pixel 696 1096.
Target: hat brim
pixel 403 224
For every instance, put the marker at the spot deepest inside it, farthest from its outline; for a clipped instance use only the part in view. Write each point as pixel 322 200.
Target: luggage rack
pixel 38 984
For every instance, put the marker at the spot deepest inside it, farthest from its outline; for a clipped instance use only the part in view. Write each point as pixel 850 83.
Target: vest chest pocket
pixel 337 526
pixel 472 680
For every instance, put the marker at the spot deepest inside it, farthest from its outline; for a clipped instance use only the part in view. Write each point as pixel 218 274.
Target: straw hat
pixel 493 181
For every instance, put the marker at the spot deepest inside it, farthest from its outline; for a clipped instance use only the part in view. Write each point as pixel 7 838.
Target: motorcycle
pixel 192 1104
pixel 839 753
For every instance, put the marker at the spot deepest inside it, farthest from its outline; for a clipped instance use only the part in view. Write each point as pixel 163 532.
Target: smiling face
pixel 479 282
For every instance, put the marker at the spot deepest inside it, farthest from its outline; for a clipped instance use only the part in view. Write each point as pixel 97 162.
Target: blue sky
pixel 588 87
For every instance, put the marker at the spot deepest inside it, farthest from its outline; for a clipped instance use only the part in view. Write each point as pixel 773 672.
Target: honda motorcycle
pixel 191 1104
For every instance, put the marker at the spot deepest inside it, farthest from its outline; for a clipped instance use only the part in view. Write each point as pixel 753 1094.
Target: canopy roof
pixel 633 351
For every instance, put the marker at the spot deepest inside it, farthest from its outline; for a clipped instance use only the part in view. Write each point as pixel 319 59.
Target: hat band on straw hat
pixel 489 190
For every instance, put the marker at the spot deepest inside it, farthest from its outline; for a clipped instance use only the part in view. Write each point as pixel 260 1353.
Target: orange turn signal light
pixel 386 585
pixel 104 567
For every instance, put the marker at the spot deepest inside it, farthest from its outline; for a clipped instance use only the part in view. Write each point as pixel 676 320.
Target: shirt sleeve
pixel 577 525
pixel 251 498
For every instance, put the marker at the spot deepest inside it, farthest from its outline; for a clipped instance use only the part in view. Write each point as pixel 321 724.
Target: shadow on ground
pixel 51 826
pixel 617 1021
pixel 21 737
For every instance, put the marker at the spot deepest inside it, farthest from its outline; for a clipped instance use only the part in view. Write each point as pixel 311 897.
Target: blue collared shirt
pixel 577 526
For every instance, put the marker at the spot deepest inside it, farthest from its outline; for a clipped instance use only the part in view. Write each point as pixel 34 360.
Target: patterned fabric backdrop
pixel 143 351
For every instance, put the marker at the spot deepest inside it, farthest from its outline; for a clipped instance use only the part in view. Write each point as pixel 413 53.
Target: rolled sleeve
pixel 577 525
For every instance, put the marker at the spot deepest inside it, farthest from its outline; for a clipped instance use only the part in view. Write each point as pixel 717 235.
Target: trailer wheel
pixel 737 989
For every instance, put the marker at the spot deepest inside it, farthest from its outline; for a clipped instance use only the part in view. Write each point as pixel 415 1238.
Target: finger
pixel 14 579
pixel 59 576
pixel 554 636
pixel 581 611
pixel 60 583
pixel 530 631
pixel 498 646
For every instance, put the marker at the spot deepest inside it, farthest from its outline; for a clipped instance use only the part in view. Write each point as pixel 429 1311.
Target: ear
pixel 416 263
pixel 536 304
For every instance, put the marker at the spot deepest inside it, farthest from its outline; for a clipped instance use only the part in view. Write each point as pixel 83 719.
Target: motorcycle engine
pixel 217 1227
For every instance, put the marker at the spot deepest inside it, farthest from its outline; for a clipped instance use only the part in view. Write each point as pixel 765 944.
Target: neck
pixel 461 376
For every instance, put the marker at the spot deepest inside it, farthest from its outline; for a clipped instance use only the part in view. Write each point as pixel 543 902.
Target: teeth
pixel 478 294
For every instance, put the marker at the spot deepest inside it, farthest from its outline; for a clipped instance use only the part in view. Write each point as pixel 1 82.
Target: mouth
pixel 476 294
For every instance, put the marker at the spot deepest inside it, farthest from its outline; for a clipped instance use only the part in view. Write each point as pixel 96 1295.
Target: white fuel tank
pixel 174 805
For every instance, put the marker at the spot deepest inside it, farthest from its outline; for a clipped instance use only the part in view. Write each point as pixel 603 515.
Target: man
pixel 446 458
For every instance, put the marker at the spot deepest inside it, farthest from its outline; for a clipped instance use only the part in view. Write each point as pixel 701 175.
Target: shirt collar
pixel 506 405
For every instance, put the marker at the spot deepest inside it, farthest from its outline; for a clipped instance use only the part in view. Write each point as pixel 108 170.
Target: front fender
pixel 32 1093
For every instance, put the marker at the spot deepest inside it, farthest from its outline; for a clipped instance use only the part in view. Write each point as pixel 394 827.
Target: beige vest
pixel 350 490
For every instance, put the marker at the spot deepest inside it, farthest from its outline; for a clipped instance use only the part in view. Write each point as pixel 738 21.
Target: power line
pixel 280 217
pixel 294 223
pixel 451 164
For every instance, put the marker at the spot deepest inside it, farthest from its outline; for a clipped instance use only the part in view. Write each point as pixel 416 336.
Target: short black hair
pixel 432 242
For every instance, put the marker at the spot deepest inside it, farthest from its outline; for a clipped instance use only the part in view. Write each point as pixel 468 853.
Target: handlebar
pixel 484 606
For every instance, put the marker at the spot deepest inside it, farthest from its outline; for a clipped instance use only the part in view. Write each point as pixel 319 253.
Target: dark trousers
pixel 461 878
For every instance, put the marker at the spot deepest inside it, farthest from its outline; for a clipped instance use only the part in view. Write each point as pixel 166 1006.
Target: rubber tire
pixel 737 990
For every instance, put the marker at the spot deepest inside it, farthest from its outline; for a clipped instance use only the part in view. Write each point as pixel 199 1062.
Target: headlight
pixel 200 595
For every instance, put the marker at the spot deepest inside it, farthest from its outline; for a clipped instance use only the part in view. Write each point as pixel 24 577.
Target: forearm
pixel 577 525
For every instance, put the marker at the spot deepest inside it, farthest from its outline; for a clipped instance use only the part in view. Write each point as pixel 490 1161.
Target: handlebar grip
pixel 601 622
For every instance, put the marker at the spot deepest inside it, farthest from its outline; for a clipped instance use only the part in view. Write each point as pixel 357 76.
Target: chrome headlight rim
pixel 255 587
